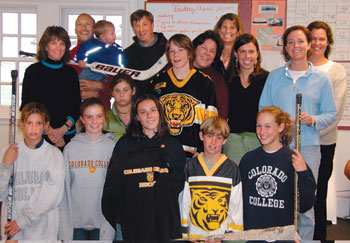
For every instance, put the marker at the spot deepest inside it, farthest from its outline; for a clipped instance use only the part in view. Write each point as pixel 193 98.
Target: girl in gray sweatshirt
pixel 86 159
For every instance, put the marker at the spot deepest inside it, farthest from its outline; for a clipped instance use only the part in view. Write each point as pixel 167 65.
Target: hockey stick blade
pixel 26 54
pixel 107 69
pixel 140 75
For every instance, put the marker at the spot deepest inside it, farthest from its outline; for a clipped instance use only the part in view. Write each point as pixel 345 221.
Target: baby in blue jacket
pixel 100 49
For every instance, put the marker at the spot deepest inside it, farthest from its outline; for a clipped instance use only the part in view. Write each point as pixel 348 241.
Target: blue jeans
pixel 118 232
pixel 83 234
pixel 312 156
pixel 87 74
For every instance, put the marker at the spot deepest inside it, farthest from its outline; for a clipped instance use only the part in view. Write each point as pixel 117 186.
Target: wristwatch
pixel 67 126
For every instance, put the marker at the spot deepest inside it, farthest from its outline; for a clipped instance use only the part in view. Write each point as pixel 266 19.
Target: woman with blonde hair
pixel 268 174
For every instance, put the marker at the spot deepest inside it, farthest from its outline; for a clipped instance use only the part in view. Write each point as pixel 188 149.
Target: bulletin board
pixel 188 17
pixel 268 23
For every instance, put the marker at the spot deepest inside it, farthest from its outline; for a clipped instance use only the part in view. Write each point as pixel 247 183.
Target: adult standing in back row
pixel 84 28
pixel 322 40
pixel 54 84
pixel 148 46
pixel 246 79
pixel 318 110
pixel 228 28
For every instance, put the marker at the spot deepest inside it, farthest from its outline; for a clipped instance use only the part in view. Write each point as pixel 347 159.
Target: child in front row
pixel 212 197
pixel 101 49
pixel 268 174
pixel 86 159
pixel 38 180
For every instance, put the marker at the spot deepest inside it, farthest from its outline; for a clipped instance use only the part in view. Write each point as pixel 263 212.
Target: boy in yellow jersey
pixel 211 202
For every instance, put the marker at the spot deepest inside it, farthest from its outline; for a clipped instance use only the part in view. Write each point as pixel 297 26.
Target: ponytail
pixel 286 136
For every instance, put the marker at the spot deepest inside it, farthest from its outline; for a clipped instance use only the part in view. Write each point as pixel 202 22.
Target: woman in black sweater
pixel 246 80
pixel 56 85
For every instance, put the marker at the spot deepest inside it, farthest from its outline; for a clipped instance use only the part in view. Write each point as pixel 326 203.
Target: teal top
pixel 114 123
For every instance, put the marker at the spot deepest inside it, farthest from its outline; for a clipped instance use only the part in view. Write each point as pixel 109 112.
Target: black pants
pixel 324 173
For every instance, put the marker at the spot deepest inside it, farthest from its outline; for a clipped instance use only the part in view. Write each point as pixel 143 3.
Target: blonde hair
pixel 215 125
pixel 286 136
pixel 100 27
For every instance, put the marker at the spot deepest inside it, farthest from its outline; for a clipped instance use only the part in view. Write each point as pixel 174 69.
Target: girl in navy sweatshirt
pixel 268 174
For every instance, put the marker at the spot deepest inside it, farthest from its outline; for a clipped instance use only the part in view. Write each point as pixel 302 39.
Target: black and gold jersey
pixel 211 202
pixel 186 104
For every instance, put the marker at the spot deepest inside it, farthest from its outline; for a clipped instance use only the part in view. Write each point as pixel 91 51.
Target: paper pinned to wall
pixel 190 18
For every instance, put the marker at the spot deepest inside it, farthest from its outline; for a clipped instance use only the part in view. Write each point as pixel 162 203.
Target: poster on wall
pixel 344 123
pixel 268 23
pixel 336 13
pixel 188 17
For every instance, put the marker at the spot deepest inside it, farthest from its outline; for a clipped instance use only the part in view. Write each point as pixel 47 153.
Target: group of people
pixel 201 148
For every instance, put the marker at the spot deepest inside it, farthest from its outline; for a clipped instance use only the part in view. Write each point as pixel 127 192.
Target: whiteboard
pixel 190 19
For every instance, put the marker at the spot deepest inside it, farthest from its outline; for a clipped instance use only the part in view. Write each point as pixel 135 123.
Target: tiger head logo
pixel 209 209
pixel 179 110
pixel 150 176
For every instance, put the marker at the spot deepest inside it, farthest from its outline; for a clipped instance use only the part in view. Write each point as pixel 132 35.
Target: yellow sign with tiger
pixel 179 110
pixel 209 207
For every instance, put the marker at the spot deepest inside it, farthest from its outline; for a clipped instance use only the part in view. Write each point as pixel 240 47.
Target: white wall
pixel 49 11
pixel 342 184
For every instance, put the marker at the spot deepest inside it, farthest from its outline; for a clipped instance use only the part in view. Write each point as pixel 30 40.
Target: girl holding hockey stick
pixel 39 180
pixel 268 174
pixel 86 159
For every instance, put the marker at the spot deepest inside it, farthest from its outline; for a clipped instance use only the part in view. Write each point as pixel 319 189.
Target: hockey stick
pixel 14 75
pixel 297 147
pixel 114 70
pixel 26 54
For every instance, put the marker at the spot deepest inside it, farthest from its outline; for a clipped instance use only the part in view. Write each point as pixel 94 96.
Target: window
pixel 21 28
pixel 18 31
pixel 70 15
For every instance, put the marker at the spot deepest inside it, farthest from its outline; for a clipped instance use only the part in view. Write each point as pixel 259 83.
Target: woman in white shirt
pixel 321 41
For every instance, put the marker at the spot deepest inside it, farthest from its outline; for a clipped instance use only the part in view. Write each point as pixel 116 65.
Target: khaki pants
pixel 238 144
